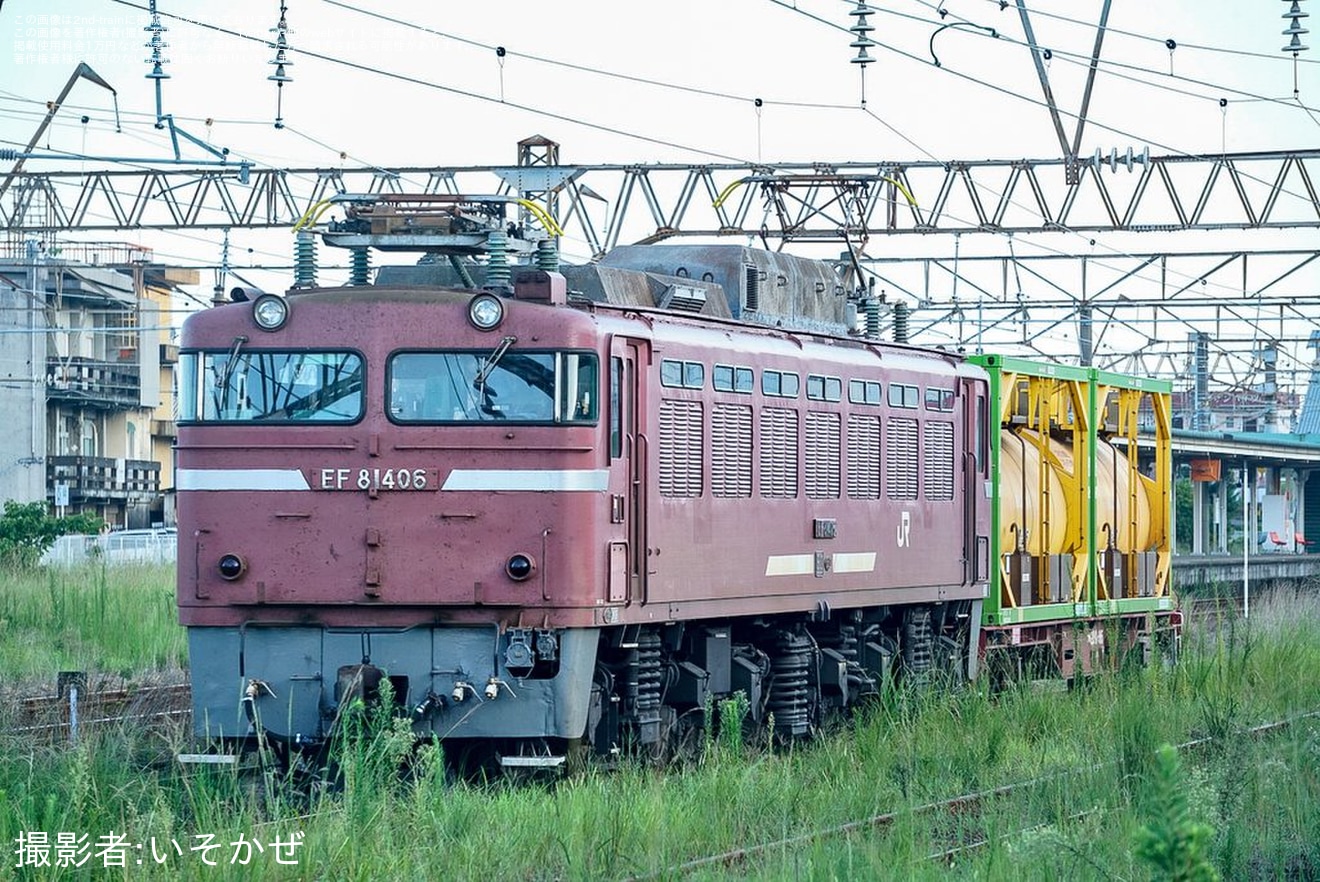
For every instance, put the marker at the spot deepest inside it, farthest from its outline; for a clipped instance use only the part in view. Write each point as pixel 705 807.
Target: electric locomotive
pixel 577 509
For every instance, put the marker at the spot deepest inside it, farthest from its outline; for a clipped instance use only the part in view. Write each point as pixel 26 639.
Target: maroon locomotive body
pixel 546 520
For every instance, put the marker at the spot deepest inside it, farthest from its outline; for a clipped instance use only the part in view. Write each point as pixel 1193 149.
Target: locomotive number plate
pixel 377 479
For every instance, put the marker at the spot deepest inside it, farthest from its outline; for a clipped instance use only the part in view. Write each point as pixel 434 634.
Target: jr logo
pixel 905 530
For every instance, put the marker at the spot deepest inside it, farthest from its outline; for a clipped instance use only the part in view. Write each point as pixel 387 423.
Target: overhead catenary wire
pixel 1013 94
pixel 466 93
pixel 1107 67
pixel 877 118
pixel 568 65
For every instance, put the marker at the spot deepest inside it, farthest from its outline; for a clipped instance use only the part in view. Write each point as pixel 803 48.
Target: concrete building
pixel 86 380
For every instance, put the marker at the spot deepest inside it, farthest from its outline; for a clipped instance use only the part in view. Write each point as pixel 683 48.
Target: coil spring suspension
pixel 644 686
pixel 843 641
pixel 790 694
pixel 918 648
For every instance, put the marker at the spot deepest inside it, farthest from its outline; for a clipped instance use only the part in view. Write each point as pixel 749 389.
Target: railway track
pixel 50 717
pixel 967 805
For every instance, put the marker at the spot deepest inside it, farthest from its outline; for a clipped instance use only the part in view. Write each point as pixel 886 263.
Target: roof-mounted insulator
pixel 862 41
pixel 281 61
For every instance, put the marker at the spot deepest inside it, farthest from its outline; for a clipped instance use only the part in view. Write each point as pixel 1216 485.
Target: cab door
pixel 976 480
pixel 627 462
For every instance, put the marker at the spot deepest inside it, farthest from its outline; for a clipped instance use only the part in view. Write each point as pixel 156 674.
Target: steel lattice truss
pixel 783 202
pixel 1133 313
pixel 1130 312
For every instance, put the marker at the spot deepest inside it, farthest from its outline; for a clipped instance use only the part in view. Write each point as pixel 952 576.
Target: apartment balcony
pixel 104 479
pixel 164 429
pixel 169 353
pixel 108 384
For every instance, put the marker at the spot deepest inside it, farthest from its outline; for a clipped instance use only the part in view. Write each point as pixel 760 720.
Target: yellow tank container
pixel 1114 512
pixel 1021 501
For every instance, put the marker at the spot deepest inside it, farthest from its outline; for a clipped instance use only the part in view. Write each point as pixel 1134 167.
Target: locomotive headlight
pixel 231 566
pixel 485 311
pixel 520 567
pixel 270 312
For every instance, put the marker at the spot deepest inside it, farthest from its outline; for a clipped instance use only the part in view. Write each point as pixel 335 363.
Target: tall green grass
pixel 1098 795
pixel 116 621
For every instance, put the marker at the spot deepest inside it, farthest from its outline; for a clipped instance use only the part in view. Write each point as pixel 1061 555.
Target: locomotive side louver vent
pixel 779 453
pixel 680 448
pixel 731 451
pixel 752 298
pixel 901 459
pixel 938 464
pixel 687 298
pixel 823 435
pixel 863 456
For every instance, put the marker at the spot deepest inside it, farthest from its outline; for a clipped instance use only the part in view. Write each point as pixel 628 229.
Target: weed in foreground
pixel 1172 844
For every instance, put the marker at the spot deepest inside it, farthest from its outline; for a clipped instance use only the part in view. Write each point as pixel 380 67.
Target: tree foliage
pixel 26 531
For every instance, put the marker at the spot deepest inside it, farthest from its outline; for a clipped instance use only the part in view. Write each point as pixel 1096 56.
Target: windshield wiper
pixel 230 363
pixel 482 375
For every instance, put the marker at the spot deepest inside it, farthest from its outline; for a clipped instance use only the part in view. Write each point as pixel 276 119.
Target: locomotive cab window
pixel 504 384
pixel 242 385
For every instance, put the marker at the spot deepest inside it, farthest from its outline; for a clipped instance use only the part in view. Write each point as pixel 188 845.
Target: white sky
pixel 983 102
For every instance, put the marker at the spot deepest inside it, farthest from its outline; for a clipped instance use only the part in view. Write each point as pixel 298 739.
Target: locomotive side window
pixel 939 399
pixel 682 374
pixel 616 407
pixel 982 437
pixel 780 384
pixel 503 384
pixel 902 395
pixel 727 378
pixel 671 373
pixel 721 378
pixel 863 392
pixel 265 386
pixel 824 388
